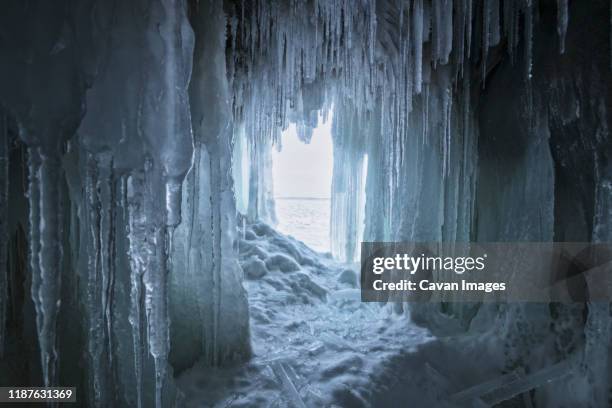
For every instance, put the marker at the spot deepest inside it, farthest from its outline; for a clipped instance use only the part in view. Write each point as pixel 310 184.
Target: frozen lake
pixel 306 219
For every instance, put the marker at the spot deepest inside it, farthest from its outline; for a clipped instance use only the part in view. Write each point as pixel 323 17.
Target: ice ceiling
pixel 129 114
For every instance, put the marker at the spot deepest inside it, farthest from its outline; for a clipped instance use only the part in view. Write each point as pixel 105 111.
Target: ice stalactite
pixel 511 27
pixel 528 38
pixel 97 275
pixel 33 226
pixel 443 30
pixel 156 306
pixel 382 71
pixel 45 122
pixel 137 233
pixel 276 80
pixel 109 140
pixel 167 132
pixel 486 30
pixel 100 228
pixel 241 170
pixel 562 22
pixel 261 195
pixel 495 23
pixel 417 26
pixel 204 259
pixel 4 242
pixel 490 31
pixel 45 253
pixel 47 57
pixel 148 252
pixel 136 63
pixel 190 273
pixel 348 183
pixel 139 148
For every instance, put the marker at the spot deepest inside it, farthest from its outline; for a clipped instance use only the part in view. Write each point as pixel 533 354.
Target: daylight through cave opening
pixel 302 174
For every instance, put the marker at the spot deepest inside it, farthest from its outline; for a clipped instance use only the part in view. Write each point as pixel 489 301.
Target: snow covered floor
pixel 314 343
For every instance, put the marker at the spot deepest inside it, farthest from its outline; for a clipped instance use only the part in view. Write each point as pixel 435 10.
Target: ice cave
pixel 141 257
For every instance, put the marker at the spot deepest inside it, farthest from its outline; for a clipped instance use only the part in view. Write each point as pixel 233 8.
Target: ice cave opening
pixel 302 174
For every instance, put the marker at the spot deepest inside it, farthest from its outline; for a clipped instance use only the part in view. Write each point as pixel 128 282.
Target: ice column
pixel 167 132
pixel 54 122
pixel 241 170
pixel 205 239
pixel 347 206
pixel 41 52
pixel 45 253
pixel 261 195
pixel 138 141
pixel 562 21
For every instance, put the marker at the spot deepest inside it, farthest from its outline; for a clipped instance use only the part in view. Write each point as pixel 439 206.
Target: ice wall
pixel 206 276
pixel 119 240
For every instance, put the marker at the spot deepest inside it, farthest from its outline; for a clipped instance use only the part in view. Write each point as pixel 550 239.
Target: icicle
pixel 425 118
pixel 152 252
pixel 466 107
pixel 486 15
pixel 45 224
pixel 460 37
pixel 446 30
pixel 436 21
pixel 137 253
pixel 417 26
pixel 529 39
pixel 95 338
pixel 34 238
pixel 562 21
pixel 156 305
pixel 494 23
pixel 372 31
pixel 107 225
pixel 469 28
pixel 446 141
pixel 509 24
pixel 4 186
pixel 148 257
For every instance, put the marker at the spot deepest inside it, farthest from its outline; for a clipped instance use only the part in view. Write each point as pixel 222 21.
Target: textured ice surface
pixel 316 344
pixel 312 343
pixel 205 278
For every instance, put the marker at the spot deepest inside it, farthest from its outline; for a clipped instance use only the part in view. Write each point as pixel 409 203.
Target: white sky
pixel 304 170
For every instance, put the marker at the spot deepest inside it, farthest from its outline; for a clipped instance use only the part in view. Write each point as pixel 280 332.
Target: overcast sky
pixel 304 170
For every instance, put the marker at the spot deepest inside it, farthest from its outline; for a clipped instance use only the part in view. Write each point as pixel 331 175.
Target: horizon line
pixel 301 198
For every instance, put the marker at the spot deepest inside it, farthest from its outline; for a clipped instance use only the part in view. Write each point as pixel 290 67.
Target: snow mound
pixel 315 343
pixel 254 268
pixel 286 268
